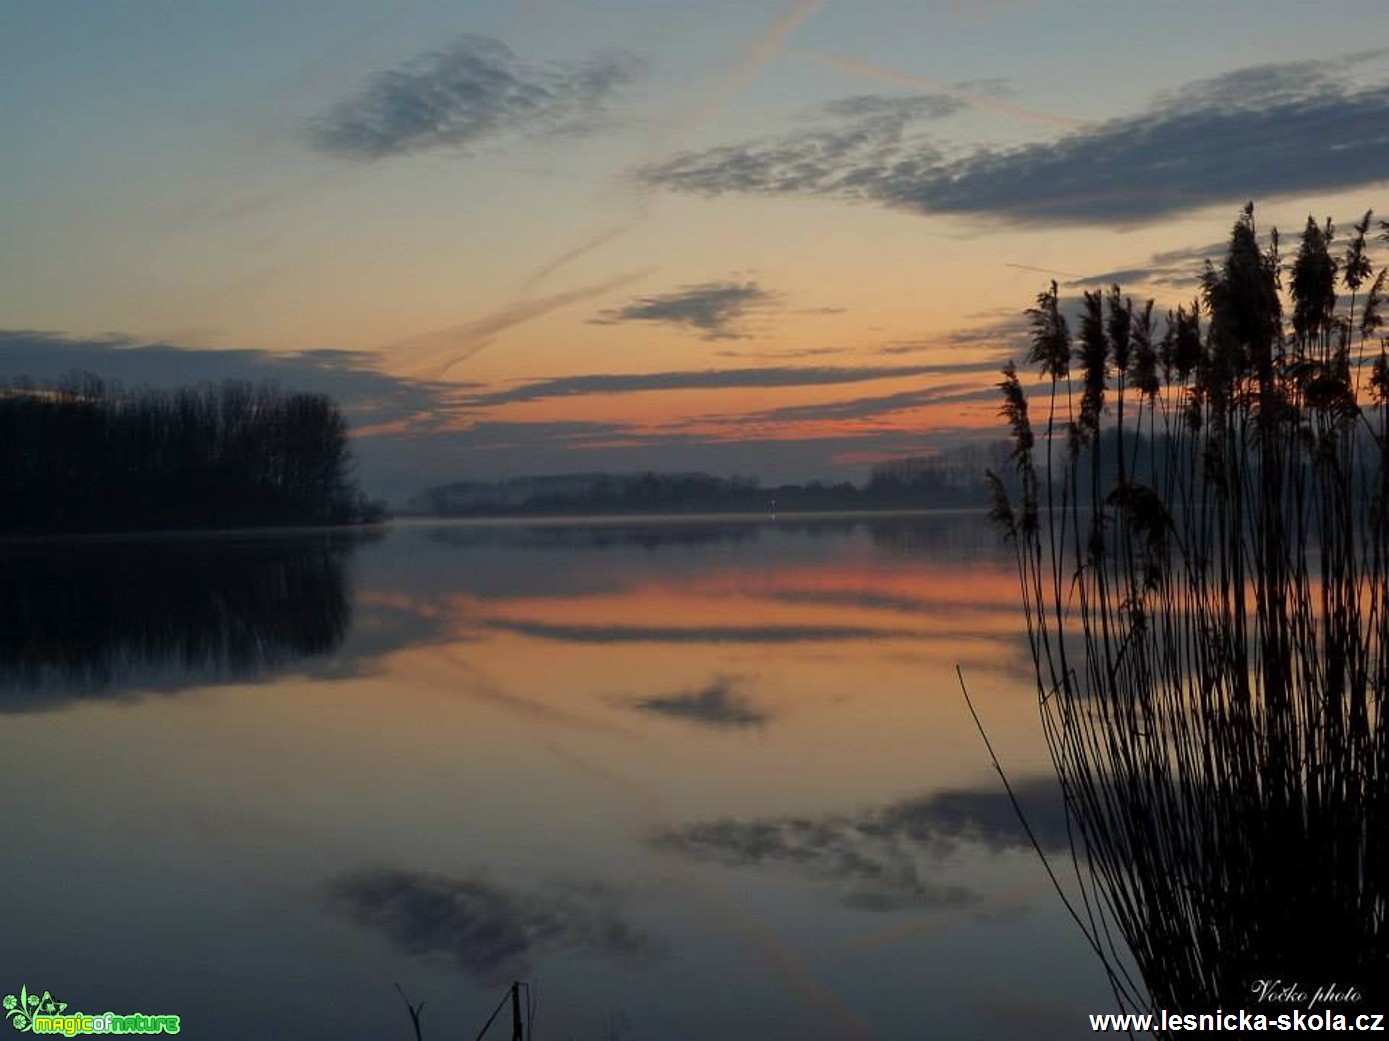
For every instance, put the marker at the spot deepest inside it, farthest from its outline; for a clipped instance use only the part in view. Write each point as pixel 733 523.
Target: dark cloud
pixel 1264 131
pixel 714 309
pixel 865 140
pixel 893 112
pixel 684 634
pixel 717 704
pixel 1177 269
pixel 707 379
pixel 487 930
pixel 472 90
pixel 887 858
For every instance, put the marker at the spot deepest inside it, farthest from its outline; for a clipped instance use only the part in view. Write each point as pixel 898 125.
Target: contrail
pixel 584 246
pixel 750 63
pixel 763 49
pixel 934 86
pixel 437 352
pixel 1044 270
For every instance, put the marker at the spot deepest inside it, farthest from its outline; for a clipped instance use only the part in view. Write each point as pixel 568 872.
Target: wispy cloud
pixel 714 309
pixel 711 379
pixel 1264 131
pixel 1177 268
pixel 470 91
pixel 874 406
pixel 794 352
pixel 979 94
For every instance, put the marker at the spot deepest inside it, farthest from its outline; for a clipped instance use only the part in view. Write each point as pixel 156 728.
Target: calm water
pixel 692 780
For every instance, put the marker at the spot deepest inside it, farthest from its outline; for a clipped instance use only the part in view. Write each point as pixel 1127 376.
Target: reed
pixel 1202 547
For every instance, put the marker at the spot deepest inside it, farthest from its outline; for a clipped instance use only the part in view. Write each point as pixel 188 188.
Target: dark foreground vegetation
pixel 82 456
pixel 1208 607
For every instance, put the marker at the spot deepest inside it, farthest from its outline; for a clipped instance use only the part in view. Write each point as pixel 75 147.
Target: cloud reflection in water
pixel 889 858
pixel 486 930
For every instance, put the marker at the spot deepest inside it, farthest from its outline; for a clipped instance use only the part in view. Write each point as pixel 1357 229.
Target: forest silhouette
pixel 83 456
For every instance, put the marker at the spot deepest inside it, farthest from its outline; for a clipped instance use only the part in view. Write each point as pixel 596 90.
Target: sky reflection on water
pixel 716 776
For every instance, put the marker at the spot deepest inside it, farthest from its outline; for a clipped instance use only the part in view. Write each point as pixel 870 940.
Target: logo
pixel 41 1014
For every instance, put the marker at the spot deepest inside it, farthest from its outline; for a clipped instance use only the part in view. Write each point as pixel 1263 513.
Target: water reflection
pixel 718 704
pixel 100 618
pixel 886 858
pixel 753 734
pixel 599 535
pixel 677 634
pixel 939 534
pixel 490 931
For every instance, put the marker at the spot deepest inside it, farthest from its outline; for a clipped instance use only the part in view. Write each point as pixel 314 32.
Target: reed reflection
pixel 97 619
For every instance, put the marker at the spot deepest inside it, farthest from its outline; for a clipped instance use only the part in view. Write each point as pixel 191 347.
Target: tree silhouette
pixel 83 456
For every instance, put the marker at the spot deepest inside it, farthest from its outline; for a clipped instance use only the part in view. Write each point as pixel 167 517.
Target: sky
pixel 783 239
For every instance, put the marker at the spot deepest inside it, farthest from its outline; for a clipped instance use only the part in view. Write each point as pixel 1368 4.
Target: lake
pixel 690 779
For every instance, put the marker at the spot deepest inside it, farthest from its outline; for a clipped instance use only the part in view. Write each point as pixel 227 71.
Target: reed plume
pixel 1206 588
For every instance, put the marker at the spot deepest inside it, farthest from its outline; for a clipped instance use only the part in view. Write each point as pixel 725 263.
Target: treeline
pixel 83 456
pixel 902 484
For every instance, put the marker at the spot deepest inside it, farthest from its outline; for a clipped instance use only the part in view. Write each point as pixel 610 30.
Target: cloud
pixel 488 931
pixel 470 91
pixel 1264 131
pixel 1177 269
pixel 863 141
pixel 717 704
pixel 887 858
pixel 797 352
pixel 708 379
pixel 714 309
pixel 981 94
pixel 872 407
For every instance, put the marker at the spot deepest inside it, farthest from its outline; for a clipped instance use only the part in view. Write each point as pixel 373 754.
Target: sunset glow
pixel 427 212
